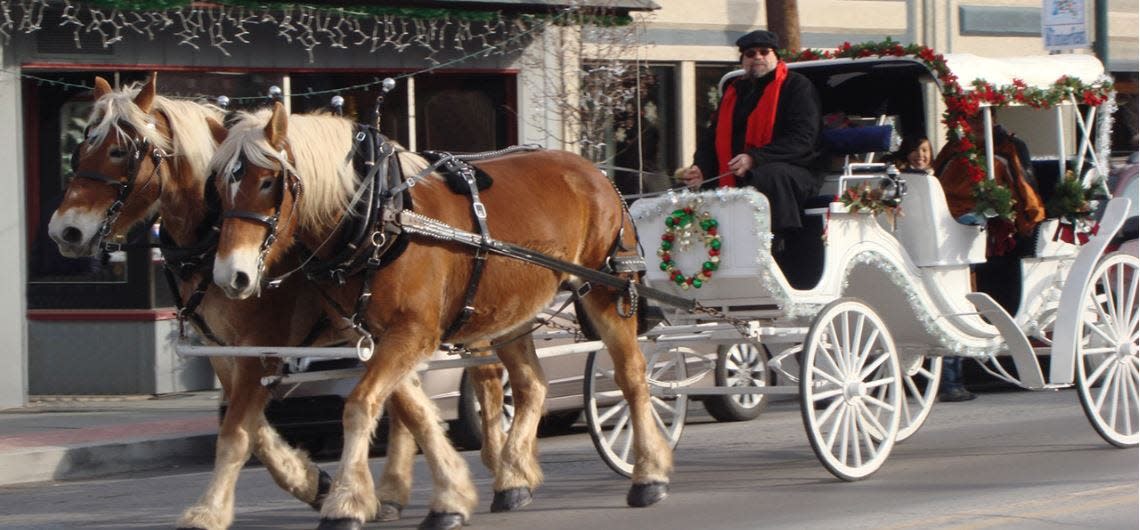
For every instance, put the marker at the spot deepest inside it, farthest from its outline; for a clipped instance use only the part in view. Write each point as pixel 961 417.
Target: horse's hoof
pixel 346 523
pixel 324 484
pixel 511 500
pixel 389 511
pixel 642 495
pixel 442 521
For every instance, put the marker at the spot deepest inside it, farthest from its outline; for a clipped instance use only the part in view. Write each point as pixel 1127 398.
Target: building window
pixel 465 113
pixel 640 155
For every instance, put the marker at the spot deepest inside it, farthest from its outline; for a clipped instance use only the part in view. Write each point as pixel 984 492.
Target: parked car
pixel 308 412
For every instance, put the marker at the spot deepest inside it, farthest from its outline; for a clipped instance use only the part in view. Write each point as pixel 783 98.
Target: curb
pixel 44 463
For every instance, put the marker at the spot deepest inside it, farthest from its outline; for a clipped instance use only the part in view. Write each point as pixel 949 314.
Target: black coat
pixel 795 135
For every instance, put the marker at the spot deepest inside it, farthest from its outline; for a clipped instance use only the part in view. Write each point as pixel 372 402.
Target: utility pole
pixel 784 19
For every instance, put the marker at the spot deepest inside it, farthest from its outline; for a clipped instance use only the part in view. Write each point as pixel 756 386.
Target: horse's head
pixel 258 183
pixel 116 170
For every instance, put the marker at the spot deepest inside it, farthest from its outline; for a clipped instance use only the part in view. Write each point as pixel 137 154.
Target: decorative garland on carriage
pixel 992 200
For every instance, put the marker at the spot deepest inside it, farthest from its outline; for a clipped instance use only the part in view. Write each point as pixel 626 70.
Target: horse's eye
pixel 117 152
pixel 266 184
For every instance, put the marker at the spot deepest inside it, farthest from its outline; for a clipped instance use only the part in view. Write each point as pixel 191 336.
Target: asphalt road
pixel 1006 460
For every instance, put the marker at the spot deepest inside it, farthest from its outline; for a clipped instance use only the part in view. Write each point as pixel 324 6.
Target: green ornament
pixel 715 244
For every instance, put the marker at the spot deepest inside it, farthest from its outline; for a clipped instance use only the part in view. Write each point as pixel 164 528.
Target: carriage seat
pixel 931 236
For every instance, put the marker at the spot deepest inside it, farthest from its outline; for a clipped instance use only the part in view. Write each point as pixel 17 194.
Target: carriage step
pixel 1028 369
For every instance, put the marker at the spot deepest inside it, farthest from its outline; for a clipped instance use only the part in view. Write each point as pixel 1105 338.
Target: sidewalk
pixel 71 437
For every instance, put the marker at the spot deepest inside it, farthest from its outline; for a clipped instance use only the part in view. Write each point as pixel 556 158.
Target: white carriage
pixel 859 328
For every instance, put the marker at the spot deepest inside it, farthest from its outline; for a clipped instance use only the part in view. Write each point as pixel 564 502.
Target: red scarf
pixel 760 122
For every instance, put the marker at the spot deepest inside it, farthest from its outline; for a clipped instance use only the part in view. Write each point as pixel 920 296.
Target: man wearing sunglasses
pixel 764 134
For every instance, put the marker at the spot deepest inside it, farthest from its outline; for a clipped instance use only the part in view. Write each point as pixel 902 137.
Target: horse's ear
pixel 217 130
pixel 278 126
pixel 102 88
pixel 145 99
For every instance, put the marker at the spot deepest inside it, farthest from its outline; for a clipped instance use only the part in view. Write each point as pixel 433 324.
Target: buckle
pixel 480 210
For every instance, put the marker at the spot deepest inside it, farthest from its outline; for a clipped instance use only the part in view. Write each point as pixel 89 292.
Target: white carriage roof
pixel 1040 71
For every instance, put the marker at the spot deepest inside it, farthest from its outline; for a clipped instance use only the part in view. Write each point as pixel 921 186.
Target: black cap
pixel 758 38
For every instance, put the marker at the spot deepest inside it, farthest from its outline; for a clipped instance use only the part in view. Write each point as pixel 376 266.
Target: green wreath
pixel 678 234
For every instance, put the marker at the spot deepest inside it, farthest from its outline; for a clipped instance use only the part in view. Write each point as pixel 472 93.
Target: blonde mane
pixel 321 145
pixel 190 133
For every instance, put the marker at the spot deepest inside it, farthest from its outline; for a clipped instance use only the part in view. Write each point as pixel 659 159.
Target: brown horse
pixel 147 154
pixel 553 202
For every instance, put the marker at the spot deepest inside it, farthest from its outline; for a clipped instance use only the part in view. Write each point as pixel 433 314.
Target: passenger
pixel 914 154
pixel 954 173
pixel 1000 275
pixel 764 134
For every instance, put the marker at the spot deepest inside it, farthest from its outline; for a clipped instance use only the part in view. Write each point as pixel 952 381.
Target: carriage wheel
pixel 607 412
pixel 851 389
pixel 921 375
pixel 1108 354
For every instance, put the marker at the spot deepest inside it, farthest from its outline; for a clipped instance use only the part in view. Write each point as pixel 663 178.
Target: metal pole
pixel 1059 112
pixel 988 124
pixel 1101 44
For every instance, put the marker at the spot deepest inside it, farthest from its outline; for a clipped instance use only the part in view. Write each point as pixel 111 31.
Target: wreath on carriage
pixel 1072 202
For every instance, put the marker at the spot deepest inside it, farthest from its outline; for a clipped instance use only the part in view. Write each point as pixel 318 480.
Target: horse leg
pixel 486 380
pixel 352 501
pixel 653 458
pixel 519 473
pixel 215 509
pixel 395 486
pixel 290 467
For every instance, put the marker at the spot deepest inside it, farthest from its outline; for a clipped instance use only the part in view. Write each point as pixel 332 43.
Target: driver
pixel 764 134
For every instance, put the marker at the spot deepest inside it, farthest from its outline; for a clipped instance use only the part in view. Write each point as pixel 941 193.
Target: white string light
pixel 222 27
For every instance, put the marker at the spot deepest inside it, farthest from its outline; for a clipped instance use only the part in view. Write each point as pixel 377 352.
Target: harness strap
pixel 479 211
pixel 414 223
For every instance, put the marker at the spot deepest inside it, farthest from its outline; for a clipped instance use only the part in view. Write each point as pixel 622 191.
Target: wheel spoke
pixel 610 412
pixel 1092 378
pixel 870 417
pixel 828 412
pixel 867 371
pixel 880 403
pixel 1130 301
pixel 617 430
pixel 880 382
pixel 856 441
pixel 830 378
pixel 1110 299
pixel 626 445
pixel 659 420
pixel 845 340
pixel 845 434
pixel 838 360
pixel 835 426
pixel 865 351
pixel 1104 388
pixel 660 403
pixel 826 394
pixel 857 339
pixel 1099 331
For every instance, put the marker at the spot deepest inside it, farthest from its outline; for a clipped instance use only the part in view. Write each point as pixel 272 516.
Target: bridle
pixel 135 153
pixel 289 180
